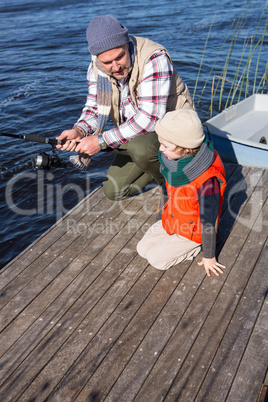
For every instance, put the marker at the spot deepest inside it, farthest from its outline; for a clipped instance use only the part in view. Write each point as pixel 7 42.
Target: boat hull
pixel 240 133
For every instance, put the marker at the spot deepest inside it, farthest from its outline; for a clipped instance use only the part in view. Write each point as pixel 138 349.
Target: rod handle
pixel 42 140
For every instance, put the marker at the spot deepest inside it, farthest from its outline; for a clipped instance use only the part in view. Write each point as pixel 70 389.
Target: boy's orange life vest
pixel 181 212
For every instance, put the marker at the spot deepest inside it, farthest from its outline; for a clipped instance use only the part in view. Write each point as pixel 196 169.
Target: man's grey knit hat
pixel 105 33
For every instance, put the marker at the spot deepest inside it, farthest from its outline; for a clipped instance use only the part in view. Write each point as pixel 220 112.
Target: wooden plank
pixel 73 344
pixel 266 378
pixel 67 324
pixel 24 259
pixel 44 252
pixel 224 364
pixel 81 259
pixel 178 349
pixel 43 270
pixel 68 381
pixel 263 396
pixel 119 353
pixel 254 364
pixel 240 186
pixel 130 340
pixel 223 368
pixel 53 259
pixel 103 325
pixel 97 346
pixel 97 316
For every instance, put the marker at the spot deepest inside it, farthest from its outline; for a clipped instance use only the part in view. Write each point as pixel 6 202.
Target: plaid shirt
pixel 153 94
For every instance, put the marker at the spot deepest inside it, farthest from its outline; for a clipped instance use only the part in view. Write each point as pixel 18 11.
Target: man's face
pixel 116 61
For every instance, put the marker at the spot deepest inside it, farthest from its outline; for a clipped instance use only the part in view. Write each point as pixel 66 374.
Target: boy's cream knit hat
pixel 181 127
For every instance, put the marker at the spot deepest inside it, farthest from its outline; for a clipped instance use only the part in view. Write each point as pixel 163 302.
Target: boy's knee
pixel 151 252
pixel 156 262
pixel 141 249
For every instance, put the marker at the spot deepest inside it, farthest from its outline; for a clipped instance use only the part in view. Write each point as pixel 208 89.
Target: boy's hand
pixel 211 264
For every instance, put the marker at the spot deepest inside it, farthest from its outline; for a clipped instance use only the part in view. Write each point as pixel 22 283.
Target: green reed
pixel 241 79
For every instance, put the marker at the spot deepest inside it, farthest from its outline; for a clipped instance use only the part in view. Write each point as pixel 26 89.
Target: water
pixel 43 64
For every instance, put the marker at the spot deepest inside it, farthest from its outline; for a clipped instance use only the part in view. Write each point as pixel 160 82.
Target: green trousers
pixel 131 171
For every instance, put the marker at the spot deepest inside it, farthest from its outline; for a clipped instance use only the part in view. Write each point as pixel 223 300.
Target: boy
pixel 195 182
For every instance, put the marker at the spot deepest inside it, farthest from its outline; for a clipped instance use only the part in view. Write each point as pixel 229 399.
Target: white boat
pixel 240 133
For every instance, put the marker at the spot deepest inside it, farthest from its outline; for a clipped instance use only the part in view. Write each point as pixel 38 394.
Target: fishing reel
pixel 46 161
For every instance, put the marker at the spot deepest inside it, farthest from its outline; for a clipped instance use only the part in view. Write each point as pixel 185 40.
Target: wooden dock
pixel 85 318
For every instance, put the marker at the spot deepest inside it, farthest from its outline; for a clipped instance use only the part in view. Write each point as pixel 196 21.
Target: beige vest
pixel 179 96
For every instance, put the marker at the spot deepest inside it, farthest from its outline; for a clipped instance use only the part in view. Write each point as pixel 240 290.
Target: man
pixel 133 80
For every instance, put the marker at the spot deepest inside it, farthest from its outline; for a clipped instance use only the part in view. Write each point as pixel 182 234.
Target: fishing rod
pixel 34 138
pixel 43 161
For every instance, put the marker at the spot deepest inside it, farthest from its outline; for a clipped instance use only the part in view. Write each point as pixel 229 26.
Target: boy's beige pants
pixel 163 250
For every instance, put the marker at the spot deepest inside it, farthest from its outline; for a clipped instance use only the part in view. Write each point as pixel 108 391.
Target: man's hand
pixel 76 142
pixel 72 137
pixel 88 145
pixel 211 264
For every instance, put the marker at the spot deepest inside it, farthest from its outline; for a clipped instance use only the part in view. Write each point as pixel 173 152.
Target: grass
pixel 229 87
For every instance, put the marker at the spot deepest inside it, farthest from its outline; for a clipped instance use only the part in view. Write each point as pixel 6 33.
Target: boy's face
pixel 171 151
